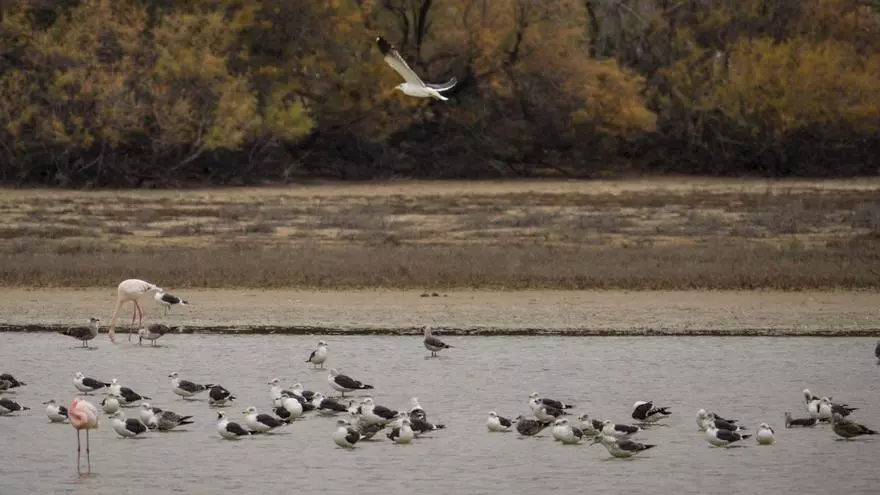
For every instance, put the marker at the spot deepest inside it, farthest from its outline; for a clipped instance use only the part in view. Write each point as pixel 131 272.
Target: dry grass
pixel 627 234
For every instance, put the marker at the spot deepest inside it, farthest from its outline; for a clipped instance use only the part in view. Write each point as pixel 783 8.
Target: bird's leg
pixel 77 453
pixel 88 452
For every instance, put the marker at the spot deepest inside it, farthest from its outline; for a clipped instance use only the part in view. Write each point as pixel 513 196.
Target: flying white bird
pixel 413 86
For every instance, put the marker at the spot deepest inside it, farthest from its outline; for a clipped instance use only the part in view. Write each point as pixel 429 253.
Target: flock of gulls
pixel 359 418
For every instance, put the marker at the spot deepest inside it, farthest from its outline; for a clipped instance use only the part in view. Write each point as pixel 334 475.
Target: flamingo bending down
pixel 130 290
pixel 83 415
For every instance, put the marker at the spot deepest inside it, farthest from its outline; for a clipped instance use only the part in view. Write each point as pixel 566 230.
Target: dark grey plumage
pixel 803 422
pixel 219 395
pixel 129 395
pixel 420 426
pixel 530 427
pixel 10 406
pixel 169 420
pixel 646 411
pixel 849 429
pixel 12 381
pixel 877 350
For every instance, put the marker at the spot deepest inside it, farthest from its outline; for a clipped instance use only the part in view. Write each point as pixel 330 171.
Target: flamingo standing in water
pixel 83 415
pixel 130 290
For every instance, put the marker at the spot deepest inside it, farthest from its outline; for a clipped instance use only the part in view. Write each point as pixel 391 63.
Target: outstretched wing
pixel 444 86
pixel 393 58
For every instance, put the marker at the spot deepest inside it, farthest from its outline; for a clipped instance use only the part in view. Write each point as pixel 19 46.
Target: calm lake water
pixel 752 379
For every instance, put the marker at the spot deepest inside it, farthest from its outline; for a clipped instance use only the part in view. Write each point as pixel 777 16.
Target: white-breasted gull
pixel 812 403
pixel 345 436
pixel 85 384
pixel 168 300
pixel 548 402
pixel 218 396
pixel 621 447
pixel 590 426
pixel 230 430
pixel 110 403
pixel 186 388
pixel 55 412
pixel 563 432
pixel 765 434
pixel 375 413
pixel 262 423
pixel 498 423
pixel 319 355
pixel 326 406
pixel 702 416
pixel 8 406
pixel 153 331
pixel 403 433
pixel 127 427
pixel 148 415
pixel 126 395
pixel 611 429
pixel 344 383
pixel 414 86
pixel 723 438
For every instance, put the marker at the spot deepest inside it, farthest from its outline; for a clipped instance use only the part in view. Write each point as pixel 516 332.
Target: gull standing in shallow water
pixel 127 427
pixel 647 413
pixel 229 429
pixel 85 334
pixel 403 433
pixel 167 300
pixel 344 383
pixel 319 355
pixel 432 343
pixel 10 406
pixel 565 433
pixel 262 423
pixel 153 331
pixel 849 429
pixel 85 384
pixel 186 388
pixel 414 86
pixel 722 438
pixel 610 429
pixel 530 427
pixel 621 447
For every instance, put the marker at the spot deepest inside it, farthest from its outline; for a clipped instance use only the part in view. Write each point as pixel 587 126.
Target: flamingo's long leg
pixel 88 452
pixel 77 453
pixel 112 331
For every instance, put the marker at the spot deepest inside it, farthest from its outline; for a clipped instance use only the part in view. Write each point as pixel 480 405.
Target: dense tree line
pixel 155 92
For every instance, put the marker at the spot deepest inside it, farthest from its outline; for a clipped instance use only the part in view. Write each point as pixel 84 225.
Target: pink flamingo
pixel 83 415
pixel 130 290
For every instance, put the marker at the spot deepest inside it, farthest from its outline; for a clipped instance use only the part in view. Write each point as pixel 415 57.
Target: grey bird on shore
pixel 83 333
pixel 849 429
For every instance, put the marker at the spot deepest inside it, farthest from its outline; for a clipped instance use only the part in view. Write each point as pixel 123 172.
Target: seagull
pixel 419 426
pixel 275 391
pixel 805 422
pixel 169 420
pixel 848 429
pixel 344 383
pixel 813 405
pixel 590 426
pixel 261 423
pixel 565 433
pixel 219 396
pixel 366 429
pixel 416 410
pixel 153 331
pixel 292 408
pixel 712 419
pixel 497 423
pixel 548 402
pixel 149 416
pixel 167 300
pixel 326 406
pixel 432 343
pixel 413 85
pixel 722 438
pixel 228 429
pixel 10 406
pixel 13 383
pixel 376 414
pixel 186 388
pixel 85 334
pixel 530 427
pixel 55 412
pixel 647 413
pixel 765 434
pixel 610 429
pixel 702 415
pixel 621 447
pixel 547 413
pixel 298 391
pixel 85 384
pixel 110 404
pixel 345 436
pixel 126 395
pixel 319 355
pixel 127 427
pixel 402 433
pixel 5 385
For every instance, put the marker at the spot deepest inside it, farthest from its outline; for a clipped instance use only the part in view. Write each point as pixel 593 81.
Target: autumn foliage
pixel 152 92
